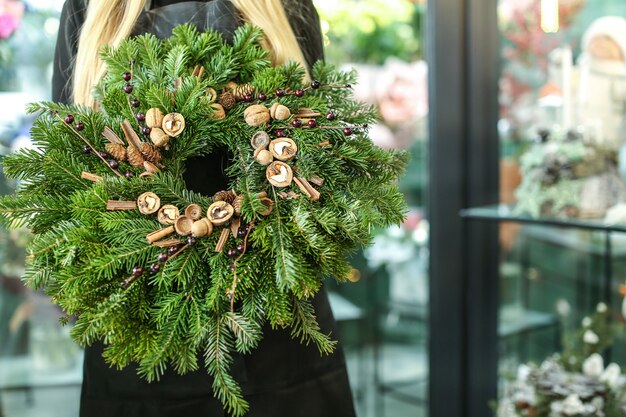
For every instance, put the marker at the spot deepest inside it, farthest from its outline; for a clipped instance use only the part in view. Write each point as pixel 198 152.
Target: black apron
pixel 281 377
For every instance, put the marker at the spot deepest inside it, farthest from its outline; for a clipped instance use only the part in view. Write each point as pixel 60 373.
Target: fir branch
pixel 217 361
pixel 306 328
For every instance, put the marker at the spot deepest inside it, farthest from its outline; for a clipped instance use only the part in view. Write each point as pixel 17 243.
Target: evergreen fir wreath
pixel 161 273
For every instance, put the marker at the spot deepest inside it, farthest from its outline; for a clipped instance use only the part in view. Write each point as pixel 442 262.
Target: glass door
pixel 562 131
pixel 40 366
pixel 383 313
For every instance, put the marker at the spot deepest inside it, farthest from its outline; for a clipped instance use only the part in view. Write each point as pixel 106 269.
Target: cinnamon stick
pixel 90 177
pixel 131 135
pixel 159 234
pixel 121 205
pixel 111 136
pixel 307 188
pixel 221 243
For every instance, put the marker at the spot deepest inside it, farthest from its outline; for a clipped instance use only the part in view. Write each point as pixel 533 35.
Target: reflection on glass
pixel 386 351
pixel 562 140
pixel 40 366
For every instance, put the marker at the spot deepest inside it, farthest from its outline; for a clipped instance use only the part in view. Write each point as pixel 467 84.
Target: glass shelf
pixel 505 213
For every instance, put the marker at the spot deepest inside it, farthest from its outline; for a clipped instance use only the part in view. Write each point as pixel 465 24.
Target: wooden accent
pixel 159 234
pixel 221 243
pixel 90 177
pixel 121 205
pixel 130 134
pixel 167 243
pixel 317 180
pixel 112 137
pixel 307 188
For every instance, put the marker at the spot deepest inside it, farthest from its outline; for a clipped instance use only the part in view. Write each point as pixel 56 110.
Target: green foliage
pixel 596 334
pixel 84 255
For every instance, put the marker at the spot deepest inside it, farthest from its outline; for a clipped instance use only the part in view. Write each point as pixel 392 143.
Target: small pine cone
pixel 151 152
pixel 135 158
pixel 237 203
pixel 227 196
pixel 243 90
pixel 116 150
pixel 227 100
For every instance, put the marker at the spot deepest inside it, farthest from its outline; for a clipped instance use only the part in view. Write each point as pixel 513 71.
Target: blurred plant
pixel 11 12
pixel 596 333
pixel 400 92
pixel 525 53
pixel 30 28
pixel 398 244
pixel 371 31
pixel 573 383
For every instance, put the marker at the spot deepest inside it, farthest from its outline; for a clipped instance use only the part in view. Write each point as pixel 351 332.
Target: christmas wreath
pixel 161 273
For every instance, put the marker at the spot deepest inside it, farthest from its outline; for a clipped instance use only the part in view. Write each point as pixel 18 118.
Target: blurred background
pixel 552 283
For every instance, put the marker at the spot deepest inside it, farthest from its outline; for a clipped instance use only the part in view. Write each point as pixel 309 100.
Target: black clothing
pixel 280 378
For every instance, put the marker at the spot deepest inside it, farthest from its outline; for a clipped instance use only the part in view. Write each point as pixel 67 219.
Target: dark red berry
pixel 86 149
pixel 347 131
pixel 297 123
pixel 146 130
pixel 316 84
pixel 262 96
pixel 248 98
pixel 135 103
pixel 138 271
pixel 312 123
pixel 80 126
pixel 280 92
pixel 128 88
pixel 140 117
pixel 162 257
pixel 127 76
pixel 280 133
pixel 240 247
pixel 69 119
pixel 241 232
pixel 330 116
pixel 172 250
pixel 154 268
pixel 232 253
pixel 128 174
pixel 348 85
pixel 114 164
pixel 299 92
pixel 103 154
pixel 191 241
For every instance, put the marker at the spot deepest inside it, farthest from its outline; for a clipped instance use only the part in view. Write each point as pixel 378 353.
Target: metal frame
pixel 463 82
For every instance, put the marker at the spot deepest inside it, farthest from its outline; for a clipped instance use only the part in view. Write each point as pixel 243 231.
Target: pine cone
pixel 243 90
pixel 135 158
pixel 227 100
pixel 151 152
pixel 227 196
pixel 116 150
pixel 237 203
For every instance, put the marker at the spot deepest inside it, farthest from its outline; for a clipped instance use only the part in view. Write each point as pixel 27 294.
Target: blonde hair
pixel 98 31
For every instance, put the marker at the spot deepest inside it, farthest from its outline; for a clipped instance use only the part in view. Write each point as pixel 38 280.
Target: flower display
pixel 574 383
pixel 11 12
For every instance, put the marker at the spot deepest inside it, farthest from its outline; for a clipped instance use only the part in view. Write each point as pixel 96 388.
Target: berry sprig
pixel 68 121
pixel 238 252
pixel 299 92
pixel 134 104
pixel 162 259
